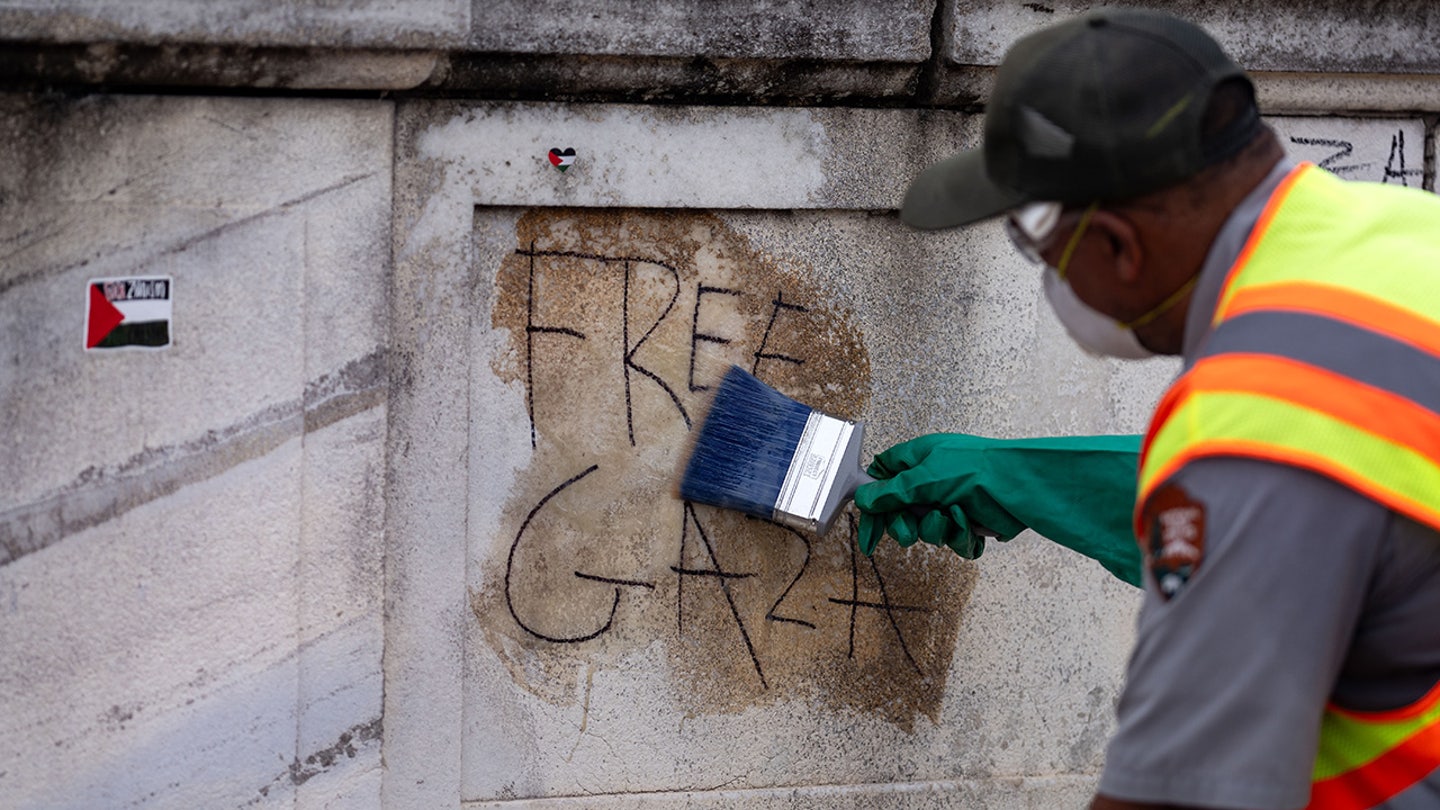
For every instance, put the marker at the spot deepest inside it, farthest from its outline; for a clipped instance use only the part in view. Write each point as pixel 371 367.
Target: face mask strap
pixel 1161 308
pixel 1074 241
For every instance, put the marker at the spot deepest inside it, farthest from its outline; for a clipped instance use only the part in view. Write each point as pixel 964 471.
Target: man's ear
pixel 1122 239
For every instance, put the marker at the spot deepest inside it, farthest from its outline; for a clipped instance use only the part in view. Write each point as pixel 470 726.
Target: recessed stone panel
pixel 562 327
pixel 609 329
pixel 191 566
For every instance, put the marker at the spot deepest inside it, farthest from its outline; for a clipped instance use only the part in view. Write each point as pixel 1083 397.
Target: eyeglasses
pixel 1032 226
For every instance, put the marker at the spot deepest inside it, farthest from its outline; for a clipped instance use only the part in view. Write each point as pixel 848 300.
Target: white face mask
pixel 1094 331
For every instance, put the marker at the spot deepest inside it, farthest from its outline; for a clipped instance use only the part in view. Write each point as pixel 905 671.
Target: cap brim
pixel 956 191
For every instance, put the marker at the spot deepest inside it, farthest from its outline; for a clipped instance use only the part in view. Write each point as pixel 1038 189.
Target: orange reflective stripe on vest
pixel 1373 756
pixel 1324 354
pixel 1235 405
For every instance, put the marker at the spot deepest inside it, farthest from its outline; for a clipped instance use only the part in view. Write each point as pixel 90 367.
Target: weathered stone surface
pixel 305 23
pixel 1307 57
pixel 195 594
pixel 1323 36
pixel 559 326
pixel 1337 93
pixel 601 620
pixel 171 66
pixel 1374 58
pixel 1017 793
pixel 674 79
pixel 850 31
pixel 191 576
pixel 1377 150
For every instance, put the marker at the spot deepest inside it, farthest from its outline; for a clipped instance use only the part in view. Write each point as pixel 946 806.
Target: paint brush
pixel 764 454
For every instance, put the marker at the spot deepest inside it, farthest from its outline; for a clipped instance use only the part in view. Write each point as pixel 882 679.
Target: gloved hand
pixel 1078 491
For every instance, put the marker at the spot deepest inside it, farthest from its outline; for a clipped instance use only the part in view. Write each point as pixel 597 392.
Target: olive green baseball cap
pixel 1104 106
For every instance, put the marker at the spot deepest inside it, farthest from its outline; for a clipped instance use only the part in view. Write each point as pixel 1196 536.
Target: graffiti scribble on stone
pixel 618 324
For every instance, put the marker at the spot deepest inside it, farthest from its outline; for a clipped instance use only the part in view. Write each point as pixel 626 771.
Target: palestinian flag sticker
pixel 562 159
pixel 128 313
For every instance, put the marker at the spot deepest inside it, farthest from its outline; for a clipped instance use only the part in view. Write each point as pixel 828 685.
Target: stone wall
pixel 390 520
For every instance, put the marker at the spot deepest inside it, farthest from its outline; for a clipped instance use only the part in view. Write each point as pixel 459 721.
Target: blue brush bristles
pixel 745 446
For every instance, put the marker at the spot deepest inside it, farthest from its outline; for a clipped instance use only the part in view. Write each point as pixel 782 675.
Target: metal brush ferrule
pixel 813 471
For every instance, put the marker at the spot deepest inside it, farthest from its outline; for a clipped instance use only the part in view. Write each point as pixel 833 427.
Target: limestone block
pixel 1335 93
pixel 564 327
pixel 1323 36
pixel 890 31
pixel 190 546
pixel 309 23
pixel 208 65
pixel 1376 150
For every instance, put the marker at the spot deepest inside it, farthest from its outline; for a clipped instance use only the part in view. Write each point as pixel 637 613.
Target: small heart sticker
pixel 562 158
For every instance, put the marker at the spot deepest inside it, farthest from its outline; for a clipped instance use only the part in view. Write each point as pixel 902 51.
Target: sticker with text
pixel 128 313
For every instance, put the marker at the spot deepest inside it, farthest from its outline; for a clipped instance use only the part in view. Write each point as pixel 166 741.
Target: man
pixel 1288 646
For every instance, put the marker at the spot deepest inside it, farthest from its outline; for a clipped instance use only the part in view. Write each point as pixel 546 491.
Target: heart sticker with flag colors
pixel 562 158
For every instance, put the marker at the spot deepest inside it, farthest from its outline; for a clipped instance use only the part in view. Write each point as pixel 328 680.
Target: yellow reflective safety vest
pixel 1324 354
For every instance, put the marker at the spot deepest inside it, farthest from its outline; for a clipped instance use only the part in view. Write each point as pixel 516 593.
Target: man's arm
pixel 1078 491
pixel 1246 623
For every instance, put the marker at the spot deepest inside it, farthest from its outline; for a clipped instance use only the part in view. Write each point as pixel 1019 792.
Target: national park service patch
pixel 1174 538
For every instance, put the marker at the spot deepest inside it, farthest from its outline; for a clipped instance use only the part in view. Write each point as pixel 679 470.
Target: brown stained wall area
pixel 618 323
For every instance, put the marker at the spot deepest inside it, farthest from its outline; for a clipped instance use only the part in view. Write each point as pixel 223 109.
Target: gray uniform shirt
pixel 1306 593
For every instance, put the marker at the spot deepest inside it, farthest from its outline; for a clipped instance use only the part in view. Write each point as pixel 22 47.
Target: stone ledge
pixel 252 23
pixel 130 66
pixel 1280 93
pixel 1311 36
pixel 617 79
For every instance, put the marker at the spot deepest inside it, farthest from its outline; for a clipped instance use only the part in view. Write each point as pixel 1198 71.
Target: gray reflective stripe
pixel 1343 348
pixel 1422 796
pixel 1224 251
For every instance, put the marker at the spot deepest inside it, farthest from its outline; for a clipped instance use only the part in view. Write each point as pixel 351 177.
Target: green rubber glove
pixel 1078 491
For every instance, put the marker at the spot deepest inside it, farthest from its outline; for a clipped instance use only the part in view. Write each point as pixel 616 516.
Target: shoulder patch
pixel 1174 538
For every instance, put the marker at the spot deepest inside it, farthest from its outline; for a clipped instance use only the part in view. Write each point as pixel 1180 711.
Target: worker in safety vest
pixel 1288 506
